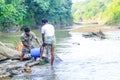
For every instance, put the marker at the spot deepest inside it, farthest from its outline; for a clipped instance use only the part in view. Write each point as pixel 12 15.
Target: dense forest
pixel 31 12
pixel 102 11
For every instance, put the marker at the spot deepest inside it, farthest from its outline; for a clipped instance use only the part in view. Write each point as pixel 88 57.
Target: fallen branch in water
pixel 99 34
pixel 33 63
pixel 11 69
pixel 3 59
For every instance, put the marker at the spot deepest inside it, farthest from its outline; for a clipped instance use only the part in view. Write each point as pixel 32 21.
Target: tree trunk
pixel 8 52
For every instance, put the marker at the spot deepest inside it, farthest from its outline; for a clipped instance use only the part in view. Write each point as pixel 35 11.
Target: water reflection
pixel 39 73
pixel 91 60
pixel 46 73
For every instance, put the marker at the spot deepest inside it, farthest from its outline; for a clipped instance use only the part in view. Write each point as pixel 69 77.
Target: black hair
pixel 27 29
pixel 44 20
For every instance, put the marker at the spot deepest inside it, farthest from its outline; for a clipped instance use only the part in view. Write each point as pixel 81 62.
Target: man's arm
pixel 36 38
pixel 43 38
pixel 38 42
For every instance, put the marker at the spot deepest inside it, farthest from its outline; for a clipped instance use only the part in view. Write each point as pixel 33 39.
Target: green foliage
pixel 11 13
pixel 106 10
pixel 53 10
pixel 88 9
pixel 31 12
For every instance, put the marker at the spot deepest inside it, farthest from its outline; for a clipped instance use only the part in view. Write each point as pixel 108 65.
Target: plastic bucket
pixel 35 52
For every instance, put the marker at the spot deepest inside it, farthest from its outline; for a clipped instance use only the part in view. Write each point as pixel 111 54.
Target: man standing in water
pixel 26 39
pixel 48 38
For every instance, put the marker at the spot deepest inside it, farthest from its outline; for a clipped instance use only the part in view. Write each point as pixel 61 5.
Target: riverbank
pixel 94 28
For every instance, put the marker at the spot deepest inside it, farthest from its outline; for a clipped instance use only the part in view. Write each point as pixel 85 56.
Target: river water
pixel 82 59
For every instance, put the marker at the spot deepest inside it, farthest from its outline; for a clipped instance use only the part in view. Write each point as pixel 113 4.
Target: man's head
pixel 27 30
pixel 44 21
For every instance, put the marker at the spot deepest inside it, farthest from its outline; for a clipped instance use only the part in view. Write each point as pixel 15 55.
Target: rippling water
pixel 82 59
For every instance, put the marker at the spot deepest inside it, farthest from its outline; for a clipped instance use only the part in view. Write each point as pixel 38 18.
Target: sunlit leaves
pixel 89 9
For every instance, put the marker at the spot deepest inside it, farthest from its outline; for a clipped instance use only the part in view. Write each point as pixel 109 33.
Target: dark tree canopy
pixel 31 12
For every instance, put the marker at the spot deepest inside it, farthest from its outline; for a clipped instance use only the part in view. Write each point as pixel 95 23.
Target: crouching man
pixel 26 39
